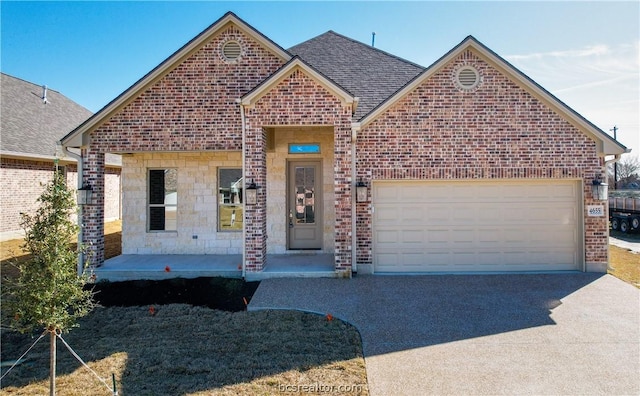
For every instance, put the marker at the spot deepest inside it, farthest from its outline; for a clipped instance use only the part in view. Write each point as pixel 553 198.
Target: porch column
pixel 93 213
pixel 343 196
pixel 255 216
pixel 596 229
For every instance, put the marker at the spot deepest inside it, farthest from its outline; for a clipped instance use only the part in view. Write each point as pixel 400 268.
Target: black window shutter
pixel 156 196
pixel 156 186
pixel 156 219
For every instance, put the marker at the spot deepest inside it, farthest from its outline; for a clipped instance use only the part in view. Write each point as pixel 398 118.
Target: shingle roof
pixel 367 72
pixel 28 126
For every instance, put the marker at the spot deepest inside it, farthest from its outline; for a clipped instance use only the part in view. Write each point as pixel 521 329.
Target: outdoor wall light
pixel 361 192
pixel 251 194
pixel 84 195
pixel 599 189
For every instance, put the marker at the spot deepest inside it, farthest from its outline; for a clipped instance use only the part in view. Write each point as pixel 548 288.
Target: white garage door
pixel 450 226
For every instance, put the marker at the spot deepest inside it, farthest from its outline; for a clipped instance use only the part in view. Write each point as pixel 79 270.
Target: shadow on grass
pixel 182 349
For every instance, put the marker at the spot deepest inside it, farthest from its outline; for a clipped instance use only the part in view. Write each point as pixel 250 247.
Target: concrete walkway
pixel 545 334
pixel 633 246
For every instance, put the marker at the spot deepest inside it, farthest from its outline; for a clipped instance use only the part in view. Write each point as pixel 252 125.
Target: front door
pixel 304 205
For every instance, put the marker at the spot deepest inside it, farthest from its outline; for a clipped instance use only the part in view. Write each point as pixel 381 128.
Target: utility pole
pixel 615 164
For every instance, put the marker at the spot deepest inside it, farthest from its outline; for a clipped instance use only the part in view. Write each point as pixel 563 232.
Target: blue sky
pixel 585 53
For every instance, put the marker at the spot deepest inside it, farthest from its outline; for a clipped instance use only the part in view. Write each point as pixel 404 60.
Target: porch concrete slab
pixel 533 334
pixel 299 265
pixel 154 266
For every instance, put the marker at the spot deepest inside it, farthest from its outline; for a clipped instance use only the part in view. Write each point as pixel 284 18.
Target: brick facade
pixel 22 181
pixel 299 100
pixel 93 213
pixel 439 131
pixel 495 131
pixel 192 108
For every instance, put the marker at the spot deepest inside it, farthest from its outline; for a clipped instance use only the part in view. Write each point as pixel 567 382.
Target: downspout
pixel 354 239
pixel 244 181
pixel 80 173
pixel 616 158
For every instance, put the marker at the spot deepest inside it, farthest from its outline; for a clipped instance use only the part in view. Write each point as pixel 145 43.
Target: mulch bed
pixel 216 293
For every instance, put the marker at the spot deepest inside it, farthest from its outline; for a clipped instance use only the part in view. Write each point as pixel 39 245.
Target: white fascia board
pixel 40 157
pixel 32 157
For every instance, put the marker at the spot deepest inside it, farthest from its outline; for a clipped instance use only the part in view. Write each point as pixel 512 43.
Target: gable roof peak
pixel 367 72
pixel 367 46
pixel 77 137
pixel 297 62
pixel 606 144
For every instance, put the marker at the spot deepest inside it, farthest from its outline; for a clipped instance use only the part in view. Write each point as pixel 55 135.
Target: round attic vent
pixel 231 50
pixel 468 77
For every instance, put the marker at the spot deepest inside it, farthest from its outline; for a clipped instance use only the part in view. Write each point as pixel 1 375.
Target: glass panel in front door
pixel 304 185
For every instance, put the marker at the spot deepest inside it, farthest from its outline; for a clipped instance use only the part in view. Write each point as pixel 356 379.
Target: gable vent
pixel 468 77
pixel 231 50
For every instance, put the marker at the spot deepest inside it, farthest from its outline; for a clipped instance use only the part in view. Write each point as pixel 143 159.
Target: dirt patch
pixel 186 350
pixel 216 293
pixel 624 264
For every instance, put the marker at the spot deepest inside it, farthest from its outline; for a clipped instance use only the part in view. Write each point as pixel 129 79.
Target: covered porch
pixel 165 266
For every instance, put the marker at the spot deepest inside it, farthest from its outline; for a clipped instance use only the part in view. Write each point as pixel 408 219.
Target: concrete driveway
pixel 542 334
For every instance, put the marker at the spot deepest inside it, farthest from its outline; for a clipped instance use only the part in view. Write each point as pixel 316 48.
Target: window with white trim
pixel 162 199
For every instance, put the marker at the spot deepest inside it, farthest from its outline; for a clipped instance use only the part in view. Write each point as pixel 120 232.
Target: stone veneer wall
pixel 494 131
pixel 277 210
pixel 197 211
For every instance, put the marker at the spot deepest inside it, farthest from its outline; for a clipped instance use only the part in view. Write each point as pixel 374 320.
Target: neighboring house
pixel 33 119
pixel 468 165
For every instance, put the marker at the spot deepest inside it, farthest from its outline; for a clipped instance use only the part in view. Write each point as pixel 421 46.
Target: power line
pixel 615 164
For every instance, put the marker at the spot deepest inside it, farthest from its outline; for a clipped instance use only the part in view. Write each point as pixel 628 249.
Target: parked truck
pixel 624 214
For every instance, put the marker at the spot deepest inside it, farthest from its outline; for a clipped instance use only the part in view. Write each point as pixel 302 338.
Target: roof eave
pixel 46 158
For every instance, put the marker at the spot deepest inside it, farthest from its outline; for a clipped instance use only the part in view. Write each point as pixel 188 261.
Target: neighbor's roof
pixel 31 128
pixel 366 72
